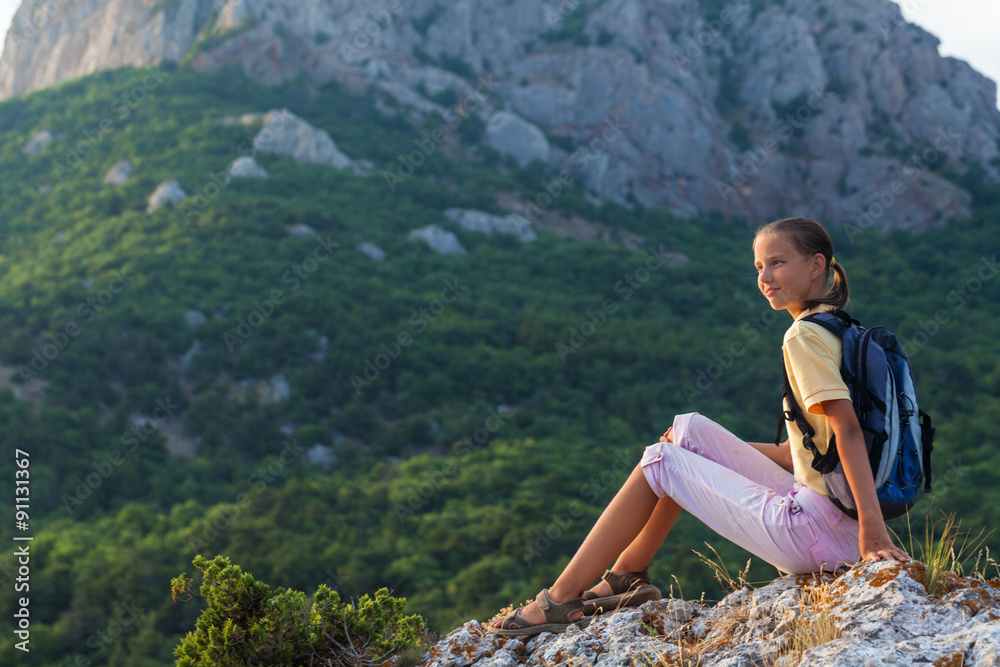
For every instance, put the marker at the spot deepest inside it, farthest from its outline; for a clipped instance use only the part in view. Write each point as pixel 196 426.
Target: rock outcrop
pixel 167 192
pixel 194 319
pixel 487 223
pixel 302 229
pixel 246 167
pixel 876 613
pixel 49 42
pixel 284 133
pixel 37 142
pixel 512 135
pixel 439 239
pixel 119 173
pixel 371 250
pixel 842 111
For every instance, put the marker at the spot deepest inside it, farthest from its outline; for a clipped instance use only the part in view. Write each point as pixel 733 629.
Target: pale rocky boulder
pixel 487 223
pixel 246 167
pixel 284 133
pixel 371 250
pixel 321 455
pixel 167 192
pixel 512 135
pixel 242 119
pixel 119 173
pixel 194 319
pixel 302 229
pixel 439 239
pixel 38 141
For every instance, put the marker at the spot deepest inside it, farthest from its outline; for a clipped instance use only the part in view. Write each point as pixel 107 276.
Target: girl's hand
pixel 668 436
pixel 877 545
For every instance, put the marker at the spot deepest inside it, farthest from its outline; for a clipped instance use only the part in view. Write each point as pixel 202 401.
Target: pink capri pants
pixel 749 499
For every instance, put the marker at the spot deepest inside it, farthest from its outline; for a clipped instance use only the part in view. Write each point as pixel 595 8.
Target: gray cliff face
pixel 840 111
pixel 56 40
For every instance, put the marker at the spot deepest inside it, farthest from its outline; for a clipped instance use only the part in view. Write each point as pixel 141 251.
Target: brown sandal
pixel 557 618
pixel 629 589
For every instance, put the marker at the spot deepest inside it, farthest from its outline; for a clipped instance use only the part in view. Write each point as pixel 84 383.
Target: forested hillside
pixel 474 412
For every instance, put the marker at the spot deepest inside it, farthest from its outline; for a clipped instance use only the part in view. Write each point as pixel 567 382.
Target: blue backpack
pixel 898 434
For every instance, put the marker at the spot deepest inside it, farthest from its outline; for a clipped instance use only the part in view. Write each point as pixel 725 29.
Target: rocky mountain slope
pixel 839 110
pixel 872 614
pixel 842 111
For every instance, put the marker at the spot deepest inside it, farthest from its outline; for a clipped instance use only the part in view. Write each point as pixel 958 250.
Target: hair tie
pixel 833 262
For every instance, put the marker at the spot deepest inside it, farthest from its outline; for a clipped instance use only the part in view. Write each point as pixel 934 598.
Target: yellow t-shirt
pixel 812 358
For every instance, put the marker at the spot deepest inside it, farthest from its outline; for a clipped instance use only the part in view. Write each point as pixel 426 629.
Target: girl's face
pixel 786 277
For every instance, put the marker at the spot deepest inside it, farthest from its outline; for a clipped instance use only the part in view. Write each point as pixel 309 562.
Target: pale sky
pixel 968 29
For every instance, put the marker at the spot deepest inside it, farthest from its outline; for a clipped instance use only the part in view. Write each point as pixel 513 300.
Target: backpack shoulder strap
pixel 837 321
pixel 794 414
pixel 822 463
pixel 927 436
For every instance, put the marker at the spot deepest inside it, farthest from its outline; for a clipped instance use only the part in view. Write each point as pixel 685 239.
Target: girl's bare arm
pixel 780 454
pixel 874 540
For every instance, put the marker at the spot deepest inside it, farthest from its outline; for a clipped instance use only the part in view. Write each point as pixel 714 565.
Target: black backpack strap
pixel 927 438
pixel 823 463
pixel 781 429
pixel 845 316
pixel 838 326
pixel 794 414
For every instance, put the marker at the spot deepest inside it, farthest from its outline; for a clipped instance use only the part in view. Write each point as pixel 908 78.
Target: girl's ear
pixel 818 265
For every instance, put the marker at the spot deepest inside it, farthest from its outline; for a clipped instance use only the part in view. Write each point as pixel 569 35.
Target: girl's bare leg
pixel 639 554
pixel 624 519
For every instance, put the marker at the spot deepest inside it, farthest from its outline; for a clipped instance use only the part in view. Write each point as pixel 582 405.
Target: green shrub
pixel 246 623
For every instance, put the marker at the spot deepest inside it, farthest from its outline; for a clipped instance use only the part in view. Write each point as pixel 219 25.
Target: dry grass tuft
pixel 721 572
pixel 816 624
pixel 945 555
pixel 689 647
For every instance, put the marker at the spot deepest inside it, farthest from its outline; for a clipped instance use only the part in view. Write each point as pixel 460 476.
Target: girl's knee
pixel 698 427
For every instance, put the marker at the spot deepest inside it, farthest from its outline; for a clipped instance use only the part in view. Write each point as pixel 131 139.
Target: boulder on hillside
pixel 119 173
pixel 440 240
pixel 302 229
pixel 321 455
pixel 512 135
pixel 194 319
pixel 191 353
pixel 37 142
pixel 284 133
pixel 372 250
pixel 322 349
pixel 167 192
pixel 487 223
pixel 246 167
pixel 242 119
